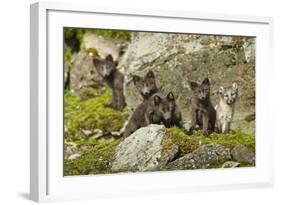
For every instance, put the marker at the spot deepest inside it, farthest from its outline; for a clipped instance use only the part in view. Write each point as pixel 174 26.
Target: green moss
pixel 218 164
pixel 90 114
pixel 175 136
pixel 74 37
pixel 74 33
pixel 188 143
pixel 125 35
pixel 95 160
pixel 78 33
pixel 97 154
pixel 67 56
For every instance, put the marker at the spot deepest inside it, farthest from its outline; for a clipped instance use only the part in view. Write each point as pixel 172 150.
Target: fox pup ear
pixel 157 100
pixel 221 89
pixel 170 96
pixel 234 86
pixel 136 78
pixel 96 62
pixel 109 58
pixel 206 82
pixel 192 85
pixel 150 74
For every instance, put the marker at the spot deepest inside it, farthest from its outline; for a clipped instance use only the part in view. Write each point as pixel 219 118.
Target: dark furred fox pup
pixel 146 85
pixel 202 110
pixel 154 110
pixel 142 116
pixel 168 110
pixel 225 107
pixel 114 79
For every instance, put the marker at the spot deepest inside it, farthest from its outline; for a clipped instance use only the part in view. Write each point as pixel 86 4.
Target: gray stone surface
pixel 103 45
pixel 82 71
pixel 175 59
pixel 83 74
pixel 140 151
pixel 241 153
pixel 201 158
pixel 230 164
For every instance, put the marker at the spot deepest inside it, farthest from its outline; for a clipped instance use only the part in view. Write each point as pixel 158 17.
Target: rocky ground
pixel 92 144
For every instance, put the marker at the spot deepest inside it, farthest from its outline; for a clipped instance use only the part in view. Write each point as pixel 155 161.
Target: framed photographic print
pixel 127 102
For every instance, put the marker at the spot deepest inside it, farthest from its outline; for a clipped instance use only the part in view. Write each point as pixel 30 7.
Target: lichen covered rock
pixel 176 58
pixel 155 148
pixel 140 151
pixel 241 153
pixel 201 158
pixel 83 74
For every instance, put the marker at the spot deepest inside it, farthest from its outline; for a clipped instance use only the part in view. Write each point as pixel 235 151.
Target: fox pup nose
pixel 230 101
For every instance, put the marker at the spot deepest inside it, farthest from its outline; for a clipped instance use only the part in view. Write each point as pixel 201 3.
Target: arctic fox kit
pixel 114 79
pixel 154 110
pixel 226 107
pixel 146 85
pixel 202 110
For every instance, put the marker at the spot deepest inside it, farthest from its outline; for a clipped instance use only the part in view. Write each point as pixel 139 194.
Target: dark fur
pixel 146 85
pixel 143 115
pixel 114 79
pixel 154 110
pixel 202 110
pixel 168 112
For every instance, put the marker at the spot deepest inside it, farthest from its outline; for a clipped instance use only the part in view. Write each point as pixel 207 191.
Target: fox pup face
pixel 105 66
pixel 146 85
pixel 201 91
pixel 229 94
pixel 165 106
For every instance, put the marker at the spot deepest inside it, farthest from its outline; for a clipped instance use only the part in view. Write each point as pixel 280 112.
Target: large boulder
pixel 175 59
pixel 83 74
pixel 81 70
pixel 241 153
pixel 201 158
pixel 101 44
pixel 141 151
pixel 144 151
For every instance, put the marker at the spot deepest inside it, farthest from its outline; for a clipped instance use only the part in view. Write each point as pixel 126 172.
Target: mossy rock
pixel 95 160
pixel 90 114
pixel 188 143
pixel 97 155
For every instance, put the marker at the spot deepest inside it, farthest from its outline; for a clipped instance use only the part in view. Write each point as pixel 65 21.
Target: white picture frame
pixel 46 177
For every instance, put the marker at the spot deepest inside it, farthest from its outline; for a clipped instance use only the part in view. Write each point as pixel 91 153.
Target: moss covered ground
pixel 89 115
pixel 97 153
pixel 188 143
